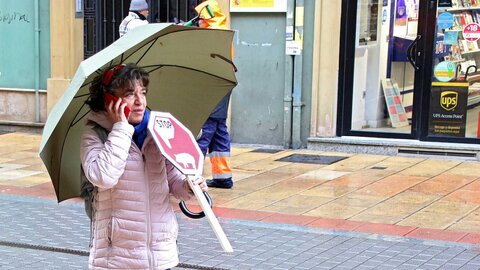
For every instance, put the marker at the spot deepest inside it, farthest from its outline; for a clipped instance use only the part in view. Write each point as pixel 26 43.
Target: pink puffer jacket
pixel 134 226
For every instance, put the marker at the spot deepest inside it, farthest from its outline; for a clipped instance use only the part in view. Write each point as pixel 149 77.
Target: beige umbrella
pixel 190 69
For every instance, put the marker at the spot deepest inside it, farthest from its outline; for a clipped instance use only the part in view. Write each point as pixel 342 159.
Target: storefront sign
pixel 448 109
pixel 444 71
pixel 445 20
pixel 258 5
pixel 471 32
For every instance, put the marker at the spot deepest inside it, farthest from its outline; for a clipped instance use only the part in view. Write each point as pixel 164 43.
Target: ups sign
pixel 448 100
pixel 448 109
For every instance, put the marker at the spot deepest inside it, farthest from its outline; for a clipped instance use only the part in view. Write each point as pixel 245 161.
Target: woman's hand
pixel 115 111
pixel 200 181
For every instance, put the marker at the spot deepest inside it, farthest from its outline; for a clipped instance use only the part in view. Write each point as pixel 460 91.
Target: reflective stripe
pixel 222 176
pixel 219 154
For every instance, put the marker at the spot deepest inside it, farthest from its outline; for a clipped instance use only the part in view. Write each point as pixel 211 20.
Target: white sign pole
pixel 212 219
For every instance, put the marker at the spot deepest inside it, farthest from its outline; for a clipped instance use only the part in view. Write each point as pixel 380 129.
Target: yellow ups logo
pixel 448 100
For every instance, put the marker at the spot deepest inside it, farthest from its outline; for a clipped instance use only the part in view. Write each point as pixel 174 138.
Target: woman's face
pixel 136 100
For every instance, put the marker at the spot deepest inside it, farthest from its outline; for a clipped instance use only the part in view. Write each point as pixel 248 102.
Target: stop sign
pixel 176 143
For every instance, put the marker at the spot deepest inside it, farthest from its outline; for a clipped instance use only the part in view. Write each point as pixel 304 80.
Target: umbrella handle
pixel 191 214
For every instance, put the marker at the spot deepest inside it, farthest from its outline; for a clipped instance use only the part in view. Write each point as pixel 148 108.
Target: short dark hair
pixel 124 79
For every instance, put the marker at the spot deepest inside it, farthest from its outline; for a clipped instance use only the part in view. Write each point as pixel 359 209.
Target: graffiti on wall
pixel 13 17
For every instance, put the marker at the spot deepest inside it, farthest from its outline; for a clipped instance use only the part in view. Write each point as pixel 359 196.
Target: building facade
pixel 354 75
pixel 407 78
pixel 24 61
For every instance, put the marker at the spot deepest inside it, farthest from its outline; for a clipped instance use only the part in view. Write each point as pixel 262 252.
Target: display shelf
pixel 460 9
pixel 469 52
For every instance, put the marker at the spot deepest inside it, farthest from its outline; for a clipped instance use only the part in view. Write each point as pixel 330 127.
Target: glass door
pixel 385 68
pixel 455 90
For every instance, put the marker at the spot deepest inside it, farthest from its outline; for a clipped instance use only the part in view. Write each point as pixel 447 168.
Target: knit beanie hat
pixel 138 5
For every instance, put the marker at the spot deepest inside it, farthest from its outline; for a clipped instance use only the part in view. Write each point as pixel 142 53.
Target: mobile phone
pixel 109 97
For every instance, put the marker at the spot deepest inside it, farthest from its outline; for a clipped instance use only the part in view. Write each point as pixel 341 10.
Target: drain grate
pixel 266 150
pixel 312 159
pixel 5 132
pixel 432 152
pixel 378 168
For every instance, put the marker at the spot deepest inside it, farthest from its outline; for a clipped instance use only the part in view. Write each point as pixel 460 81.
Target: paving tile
pixel 354 180
pixel 355 163
pixel 358 201
pixel 298 168
pixel 451 207
pixel 443 184
pixel 466 226
pixel 10 151
pixel 472 238
pixel 260 181
pixel 384 229
pixel 15 174
pixel 236 213
pixel 327 191
pixel 29 181
pixel 473 186
pixel 289 219
pixel 439 215
pixel 414 198
pixel 393 208
pixel 430 167
pixel 391 185
pixel 398 163
pixel 235 151
pixel 335 210
pixel 384 218
pixel 465 196
pixel 245 158
pixel 297 203
pixel 339 224
pixel 466 168
pixel 299 182
pixel 322 174
pixel 429 220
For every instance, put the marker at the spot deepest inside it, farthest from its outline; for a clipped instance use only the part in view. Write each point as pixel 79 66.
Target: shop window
pixel 367 22
pixel 383 76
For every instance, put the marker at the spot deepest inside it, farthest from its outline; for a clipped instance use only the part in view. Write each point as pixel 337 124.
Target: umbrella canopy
pixel 190 72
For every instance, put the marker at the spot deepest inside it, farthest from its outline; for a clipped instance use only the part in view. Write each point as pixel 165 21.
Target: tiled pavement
pixel 44 225
pixel 385 201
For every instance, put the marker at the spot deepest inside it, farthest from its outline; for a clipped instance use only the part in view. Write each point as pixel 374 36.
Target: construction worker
pixel 215 138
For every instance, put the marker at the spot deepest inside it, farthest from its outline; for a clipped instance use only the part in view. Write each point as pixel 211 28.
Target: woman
pixel 134 226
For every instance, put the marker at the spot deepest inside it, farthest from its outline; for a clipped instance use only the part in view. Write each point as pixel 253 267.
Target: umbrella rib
pixel 213 55
pixel 151 44
pixel 198 70
pixel 78 120
pixel 81 96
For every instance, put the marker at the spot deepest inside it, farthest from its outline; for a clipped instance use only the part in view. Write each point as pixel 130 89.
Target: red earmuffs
pixel 108 76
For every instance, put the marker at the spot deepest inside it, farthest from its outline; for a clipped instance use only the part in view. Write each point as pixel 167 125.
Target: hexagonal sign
pixel 176 143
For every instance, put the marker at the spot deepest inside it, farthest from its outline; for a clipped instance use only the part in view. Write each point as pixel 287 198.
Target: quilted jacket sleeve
pixel 103 164
pixel 177 183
